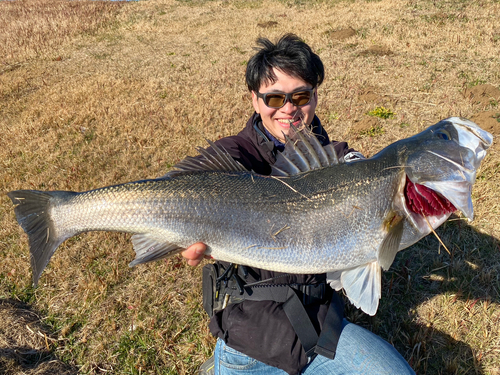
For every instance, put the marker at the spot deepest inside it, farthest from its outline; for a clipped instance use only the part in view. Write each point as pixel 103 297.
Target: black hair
pixel 291 55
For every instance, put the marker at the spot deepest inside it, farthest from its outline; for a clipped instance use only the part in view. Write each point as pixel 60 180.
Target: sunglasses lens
pixel 275 100
pixel 301 98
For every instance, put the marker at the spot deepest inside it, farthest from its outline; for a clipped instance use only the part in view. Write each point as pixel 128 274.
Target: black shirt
pixel 261 329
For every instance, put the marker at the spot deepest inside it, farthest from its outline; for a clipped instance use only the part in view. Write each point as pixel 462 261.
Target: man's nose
pixel 289 107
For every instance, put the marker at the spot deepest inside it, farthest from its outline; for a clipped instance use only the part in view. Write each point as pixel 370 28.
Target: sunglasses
pixel 277 100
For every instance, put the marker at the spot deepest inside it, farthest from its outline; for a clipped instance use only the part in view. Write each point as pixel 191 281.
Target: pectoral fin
pixel 361 285
pixel 394 225
pixel 148 248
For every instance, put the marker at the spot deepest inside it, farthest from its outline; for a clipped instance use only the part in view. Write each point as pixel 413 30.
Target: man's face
pixel 277 121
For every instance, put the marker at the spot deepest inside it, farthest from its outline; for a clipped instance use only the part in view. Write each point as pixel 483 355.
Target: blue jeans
pixel 359 351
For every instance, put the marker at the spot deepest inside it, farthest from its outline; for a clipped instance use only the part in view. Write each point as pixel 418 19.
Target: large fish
pixel 315 214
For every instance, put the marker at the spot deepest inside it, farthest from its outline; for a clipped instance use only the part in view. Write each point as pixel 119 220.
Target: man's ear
pixel 255 102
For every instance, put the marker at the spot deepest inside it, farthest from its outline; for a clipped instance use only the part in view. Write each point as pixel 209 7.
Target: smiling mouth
pixel 294 121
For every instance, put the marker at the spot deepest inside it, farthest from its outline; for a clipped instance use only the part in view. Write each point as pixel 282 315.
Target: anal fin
pixel 149 248
pixel 362 285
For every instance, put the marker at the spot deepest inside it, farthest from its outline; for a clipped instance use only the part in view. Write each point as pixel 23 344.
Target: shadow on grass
pixel 427 292
pixel 26 345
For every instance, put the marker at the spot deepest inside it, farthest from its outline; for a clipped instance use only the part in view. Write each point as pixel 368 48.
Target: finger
pixel 195 251
pixel 189 254
pixel 194 262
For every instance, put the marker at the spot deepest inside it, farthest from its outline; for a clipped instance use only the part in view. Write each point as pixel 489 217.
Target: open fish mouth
pixel 475 139
pixel 449 170
pixel 426 207
pixel 458 193
pixel 472 137
pixel 458 187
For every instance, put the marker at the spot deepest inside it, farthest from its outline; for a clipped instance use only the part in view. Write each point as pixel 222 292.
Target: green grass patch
pixel 374 131
pixel 382 113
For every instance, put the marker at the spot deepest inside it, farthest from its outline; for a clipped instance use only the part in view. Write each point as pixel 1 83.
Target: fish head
pixel 445 157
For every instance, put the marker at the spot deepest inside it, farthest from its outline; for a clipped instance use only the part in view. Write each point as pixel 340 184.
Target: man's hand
pixel 195 253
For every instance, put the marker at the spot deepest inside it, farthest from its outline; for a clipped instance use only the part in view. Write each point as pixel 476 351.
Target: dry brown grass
pixel 120 92
pixel 35 29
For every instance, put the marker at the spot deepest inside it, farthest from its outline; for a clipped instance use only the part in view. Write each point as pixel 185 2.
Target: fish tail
pixel 33 212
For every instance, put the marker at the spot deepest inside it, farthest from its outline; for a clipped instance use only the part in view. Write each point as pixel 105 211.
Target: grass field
pixel 98 93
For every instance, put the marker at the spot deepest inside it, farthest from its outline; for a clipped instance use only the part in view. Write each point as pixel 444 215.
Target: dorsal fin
pixel 303 153
pixel 221 161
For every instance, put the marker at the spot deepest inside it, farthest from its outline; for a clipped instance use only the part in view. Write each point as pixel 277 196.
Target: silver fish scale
pixel 255 220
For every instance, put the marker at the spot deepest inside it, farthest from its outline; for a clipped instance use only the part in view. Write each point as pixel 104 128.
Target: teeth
pixel 287 121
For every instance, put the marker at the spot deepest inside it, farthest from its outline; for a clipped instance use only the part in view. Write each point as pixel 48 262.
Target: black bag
pixel 212 300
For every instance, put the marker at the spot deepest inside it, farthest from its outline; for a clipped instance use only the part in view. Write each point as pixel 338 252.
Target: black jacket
pixel 260 329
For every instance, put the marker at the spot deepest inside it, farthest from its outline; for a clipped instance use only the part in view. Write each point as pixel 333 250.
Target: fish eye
pixel 443 135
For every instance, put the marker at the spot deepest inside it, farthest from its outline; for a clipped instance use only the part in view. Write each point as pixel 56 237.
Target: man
pixel 268 335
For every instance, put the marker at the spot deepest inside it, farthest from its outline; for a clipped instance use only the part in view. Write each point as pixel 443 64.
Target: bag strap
pixel 332 327
pixel 302 325
pixel 297 315
pixel 326 342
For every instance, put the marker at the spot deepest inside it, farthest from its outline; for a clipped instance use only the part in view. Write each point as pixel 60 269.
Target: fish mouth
pixel 457 188
pixel 447 166
pixel 424 206
pixel 470 135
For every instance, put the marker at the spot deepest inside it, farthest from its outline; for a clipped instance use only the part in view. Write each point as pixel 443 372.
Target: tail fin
pixel 33 215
